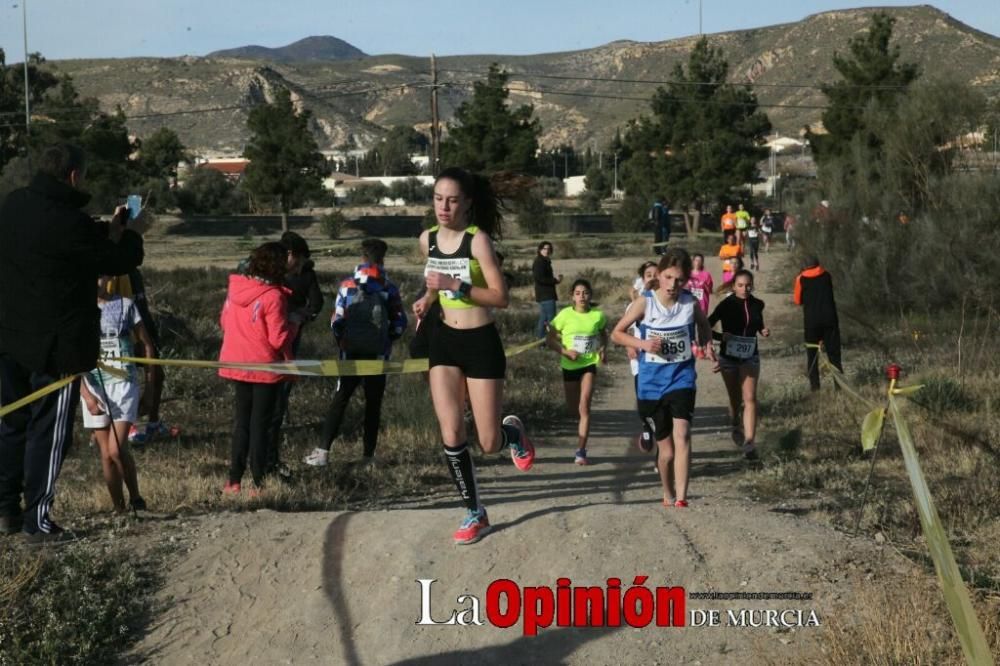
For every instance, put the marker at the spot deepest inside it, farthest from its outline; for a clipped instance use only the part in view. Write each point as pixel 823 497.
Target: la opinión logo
pixel 567 605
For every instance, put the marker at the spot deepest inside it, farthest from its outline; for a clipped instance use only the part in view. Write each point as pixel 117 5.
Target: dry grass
pixel 901 622
pixel 812 446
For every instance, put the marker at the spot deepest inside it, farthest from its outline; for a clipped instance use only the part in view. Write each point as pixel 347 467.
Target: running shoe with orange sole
pixel 522 451
pixel 475 526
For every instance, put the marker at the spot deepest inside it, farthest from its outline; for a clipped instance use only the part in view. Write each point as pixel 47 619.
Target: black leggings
pixel 374 390
pixel 830 335
pixel 254 410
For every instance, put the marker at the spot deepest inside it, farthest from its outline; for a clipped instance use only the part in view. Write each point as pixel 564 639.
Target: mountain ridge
pixel 354 101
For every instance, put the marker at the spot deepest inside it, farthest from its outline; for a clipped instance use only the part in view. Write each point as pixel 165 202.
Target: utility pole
pixel 27 104
pixel 700 31
pixel 615 192
pixel 435 127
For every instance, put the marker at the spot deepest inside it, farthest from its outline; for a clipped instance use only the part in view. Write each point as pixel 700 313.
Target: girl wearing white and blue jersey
pixel 672 329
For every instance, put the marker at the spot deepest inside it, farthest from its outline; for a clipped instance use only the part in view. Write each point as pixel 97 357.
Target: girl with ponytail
pixel 466 355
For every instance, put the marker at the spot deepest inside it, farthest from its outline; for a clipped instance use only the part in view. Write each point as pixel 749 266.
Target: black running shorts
pixel 660 414
pixel 576 376
pixel 478 352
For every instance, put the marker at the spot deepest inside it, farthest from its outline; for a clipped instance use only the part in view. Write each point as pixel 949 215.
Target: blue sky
pixel 118 28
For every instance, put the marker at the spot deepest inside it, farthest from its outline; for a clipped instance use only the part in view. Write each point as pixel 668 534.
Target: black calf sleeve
pixel 463 473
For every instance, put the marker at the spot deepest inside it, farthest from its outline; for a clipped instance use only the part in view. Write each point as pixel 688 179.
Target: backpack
pixel 366 324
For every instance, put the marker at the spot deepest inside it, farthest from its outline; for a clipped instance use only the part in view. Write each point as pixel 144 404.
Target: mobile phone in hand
pixel 134 204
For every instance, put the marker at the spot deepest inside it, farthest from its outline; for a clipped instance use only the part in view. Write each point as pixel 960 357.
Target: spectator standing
pixel 255 329
pixel 814 292
pixel 51 254
pixel 305 301
pixel 111 400
pixel 545 287
pixel 659 215
pixel 367 318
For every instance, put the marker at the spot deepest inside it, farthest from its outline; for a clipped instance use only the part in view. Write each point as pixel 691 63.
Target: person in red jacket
pixel 255 329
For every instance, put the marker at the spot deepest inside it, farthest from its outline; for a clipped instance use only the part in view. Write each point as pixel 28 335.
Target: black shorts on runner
pixel 478 352
pixel 576 376
pixel 673 405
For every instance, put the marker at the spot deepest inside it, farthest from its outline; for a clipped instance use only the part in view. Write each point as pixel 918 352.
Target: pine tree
pixel 872 75
pixel 285 163
pixel 702 142
pixel 487 135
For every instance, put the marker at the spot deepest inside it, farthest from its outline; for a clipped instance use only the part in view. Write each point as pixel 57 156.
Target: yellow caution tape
pixel 956 595
pixel 316 368
pixel 307 368
pixel 40 393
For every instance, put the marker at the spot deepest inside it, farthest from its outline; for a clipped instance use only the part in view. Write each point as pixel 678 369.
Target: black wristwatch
pixel 465 290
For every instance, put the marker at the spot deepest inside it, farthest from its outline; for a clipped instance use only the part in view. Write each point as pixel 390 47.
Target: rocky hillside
pixel 601 89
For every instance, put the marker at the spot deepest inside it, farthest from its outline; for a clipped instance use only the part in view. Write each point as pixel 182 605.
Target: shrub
pixel 631 216
pixel 943 394
pixel 72 605
pixel 533 216
pixel 333 224
pixel 367 195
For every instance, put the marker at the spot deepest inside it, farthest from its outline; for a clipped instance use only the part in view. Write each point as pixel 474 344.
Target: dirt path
pixel 342 588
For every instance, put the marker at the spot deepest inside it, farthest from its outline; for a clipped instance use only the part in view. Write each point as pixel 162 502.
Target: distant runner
pixel 742 318
pixel 579 334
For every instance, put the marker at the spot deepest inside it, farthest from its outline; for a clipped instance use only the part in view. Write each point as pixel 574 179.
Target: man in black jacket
pixel 51 254
pixel 545 287
pixel 814 292
pixel 304 305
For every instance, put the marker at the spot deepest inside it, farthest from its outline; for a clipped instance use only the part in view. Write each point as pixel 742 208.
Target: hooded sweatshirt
pixel 814 292
pixel 255 328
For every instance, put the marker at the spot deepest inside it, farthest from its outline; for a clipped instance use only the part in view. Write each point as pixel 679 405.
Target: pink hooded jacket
pixel 255 328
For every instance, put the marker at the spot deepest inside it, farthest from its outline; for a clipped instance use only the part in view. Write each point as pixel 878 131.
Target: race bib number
pixel 115 347
pixel 456 268
pixel 111 347
pixel 766 228
pixel 676 346
pixel 697 292
pixel 752 233
pixel 738 346
pixel 584 344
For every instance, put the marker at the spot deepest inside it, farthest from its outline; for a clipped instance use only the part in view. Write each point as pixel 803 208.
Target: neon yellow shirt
pixel 580 331
pixel 742 219
pixel 460 264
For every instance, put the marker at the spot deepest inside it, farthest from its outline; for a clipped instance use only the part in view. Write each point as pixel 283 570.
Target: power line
pixel 612 96
pixel 756 84
pixel 85 113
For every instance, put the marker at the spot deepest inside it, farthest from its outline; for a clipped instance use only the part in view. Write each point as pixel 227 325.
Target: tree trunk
pixel 687 220
pixel 284 215
pixel 697 219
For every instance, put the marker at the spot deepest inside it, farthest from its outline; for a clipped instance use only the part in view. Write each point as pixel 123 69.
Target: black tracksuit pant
pixel 830 335
pixel 33 443
pixel 280 412
pixel 253 412
pixel 374 386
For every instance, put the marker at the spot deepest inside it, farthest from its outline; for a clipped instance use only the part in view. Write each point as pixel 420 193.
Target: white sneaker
pixel 318 458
